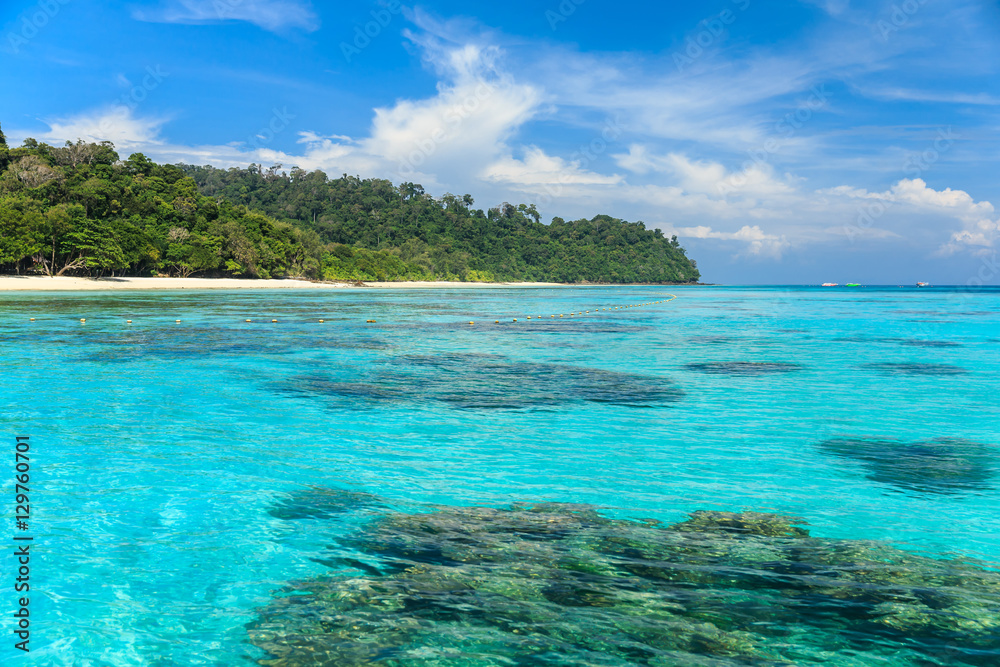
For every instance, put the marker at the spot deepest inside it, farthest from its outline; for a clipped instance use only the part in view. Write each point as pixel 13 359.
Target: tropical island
pixel 81 210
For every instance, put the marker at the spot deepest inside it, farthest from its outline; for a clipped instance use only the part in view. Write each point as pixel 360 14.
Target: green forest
pixel 80 209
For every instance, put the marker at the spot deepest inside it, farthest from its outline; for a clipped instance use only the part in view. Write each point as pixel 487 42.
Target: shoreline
pixel 76 284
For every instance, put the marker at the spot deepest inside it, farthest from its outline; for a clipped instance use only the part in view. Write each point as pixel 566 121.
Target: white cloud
pixel 758 243
pixel 116 123
pixel 979 228
pixel 445 138
pixel 467 136
pixel 693 176
pixel 273 15
pixel 945 97
pixel 538 169
pixel 704 176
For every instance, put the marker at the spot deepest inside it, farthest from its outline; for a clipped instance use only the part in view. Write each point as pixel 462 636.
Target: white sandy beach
pixel 63 283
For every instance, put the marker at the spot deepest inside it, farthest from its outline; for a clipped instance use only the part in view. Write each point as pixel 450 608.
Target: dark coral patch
pixel 940 465
pixel 743 368
pixel 916 369
pixel 563 585
pixel 486 381
pixel 910 342
pixel 318 502
pixel 712 340
pixel 919 342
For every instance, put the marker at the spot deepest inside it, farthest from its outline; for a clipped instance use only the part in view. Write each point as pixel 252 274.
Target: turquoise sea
pixel 186 476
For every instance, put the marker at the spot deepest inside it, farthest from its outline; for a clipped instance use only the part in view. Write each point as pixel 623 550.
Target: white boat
pixel 923 284
pixel 829 284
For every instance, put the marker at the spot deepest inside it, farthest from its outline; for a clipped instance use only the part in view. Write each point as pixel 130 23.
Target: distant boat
pixel 853 285
pixel 923 284
pixel 829 284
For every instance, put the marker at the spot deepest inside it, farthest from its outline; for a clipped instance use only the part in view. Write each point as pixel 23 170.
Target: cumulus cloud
pixel 469 135
pixel 117 124
pixel 758 243
pixel 463 130
pixel 537 169
pixel 979 227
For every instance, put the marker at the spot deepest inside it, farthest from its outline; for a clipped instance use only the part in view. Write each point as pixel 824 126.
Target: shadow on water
pixel 489 382
pixel 563 585
pixel 940 465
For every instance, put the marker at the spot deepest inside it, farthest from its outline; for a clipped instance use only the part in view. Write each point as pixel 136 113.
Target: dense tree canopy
pixel 81 209
pixel 446 236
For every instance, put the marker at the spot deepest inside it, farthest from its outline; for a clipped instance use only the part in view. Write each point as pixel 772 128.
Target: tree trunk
pixel 75 264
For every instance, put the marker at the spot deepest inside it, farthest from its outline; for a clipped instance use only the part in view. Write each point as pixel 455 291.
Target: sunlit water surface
pixel 160 450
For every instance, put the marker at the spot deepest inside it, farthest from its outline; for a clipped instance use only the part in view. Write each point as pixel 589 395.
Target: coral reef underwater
pixel 946 466
pixel 557 584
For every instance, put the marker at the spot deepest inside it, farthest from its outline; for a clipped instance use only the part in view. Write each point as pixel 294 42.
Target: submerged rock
pixel 561 584
pixel 940 465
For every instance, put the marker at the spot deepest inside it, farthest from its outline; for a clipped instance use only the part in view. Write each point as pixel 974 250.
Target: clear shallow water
pixel 161 449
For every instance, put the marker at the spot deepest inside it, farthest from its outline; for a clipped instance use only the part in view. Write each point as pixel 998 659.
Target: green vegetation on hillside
pixel 80 209
pixel 447 237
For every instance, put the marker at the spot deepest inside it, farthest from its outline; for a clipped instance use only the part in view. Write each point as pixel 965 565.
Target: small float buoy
pixel 247 320
pixel 177 321
pixel 322 321
pixel 83 319
pixel 370 321
pixel 496 321
pixel 515 319
pixel 128 321
pixel 274 320
pixel 471 322
pixel 32 319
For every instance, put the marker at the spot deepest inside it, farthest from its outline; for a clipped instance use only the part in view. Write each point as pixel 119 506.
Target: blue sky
pixel 784 142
